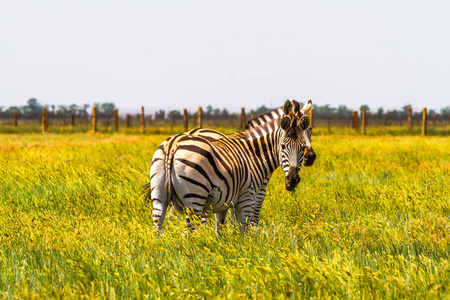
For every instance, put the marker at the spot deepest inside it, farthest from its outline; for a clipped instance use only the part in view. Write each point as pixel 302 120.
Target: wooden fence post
pixel 185 119
pixel 252 116
pixel 94 118
pixel 200 117
pixel 408 114
pixel 242 117
pixel 128 120
pixel 64 119
pixel 15 118
pixel 44 120
pixel 363 120
pixel 142 120
pixel 424 121
pixel 116 120
pixel 355 120
pixel 73 119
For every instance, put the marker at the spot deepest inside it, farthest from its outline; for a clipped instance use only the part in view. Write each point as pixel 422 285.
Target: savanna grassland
pixel 371 219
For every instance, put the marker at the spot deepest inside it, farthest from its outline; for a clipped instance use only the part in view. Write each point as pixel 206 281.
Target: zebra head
pixel 295 141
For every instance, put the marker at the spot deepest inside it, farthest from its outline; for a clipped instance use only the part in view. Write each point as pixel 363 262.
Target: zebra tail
pixel 168 184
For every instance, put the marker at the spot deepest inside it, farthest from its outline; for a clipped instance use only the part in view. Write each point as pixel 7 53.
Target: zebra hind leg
pixel 192 218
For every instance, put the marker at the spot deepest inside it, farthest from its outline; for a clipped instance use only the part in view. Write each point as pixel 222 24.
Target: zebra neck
pixel 263 143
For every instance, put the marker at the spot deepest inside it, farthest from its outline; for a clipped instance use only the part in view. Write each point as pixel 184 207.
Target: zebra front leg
pixel 243 212
pixel 220 220
pixel 259 199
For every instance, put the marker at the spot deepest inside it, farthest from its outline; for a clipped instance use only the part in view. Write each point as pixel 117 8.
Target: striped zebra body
pixel 205 171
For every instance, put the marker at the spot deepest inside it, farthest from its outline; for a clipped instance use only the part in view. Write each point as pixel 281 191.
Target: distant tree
pixel 343 111
pixel 324 109
pixel 62 109
pixel 405 108
pixel 160 115
pixel 445 111
pixel 380 112
pixel 208 112
pixel 224 114
pixel 260 110
pixel 53 108
pixel 83 109
pixel 33 106
pixel 393 113
pixel 73 107
pixel 175 113
pixel 13 109
pixel 367 108
pixel 108 107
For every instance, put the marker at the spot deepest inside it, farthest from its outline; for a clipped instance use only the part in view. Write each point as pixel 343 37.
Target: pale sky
pixel 176 54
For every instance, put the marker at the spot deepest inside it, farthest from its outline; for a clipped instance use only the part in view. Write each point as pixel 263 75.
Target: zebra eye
pixel 283 146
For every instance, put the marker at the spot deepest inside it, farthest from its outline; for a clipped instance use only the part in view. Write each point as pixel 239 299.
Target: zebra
pixel 213 135
pixel 204 171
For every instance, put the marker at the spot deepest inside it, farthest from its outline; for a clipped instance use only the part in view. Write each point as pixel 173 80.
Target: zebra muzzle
pixel 292 179
pixel 309 157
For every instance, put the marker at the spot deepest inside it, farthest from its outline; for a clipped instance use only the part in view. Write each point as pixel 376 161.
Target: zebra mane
pixel 266 117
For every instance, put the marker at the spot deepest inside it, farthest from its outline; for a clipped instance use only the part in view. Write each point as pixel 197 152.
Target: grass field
pixel 370 219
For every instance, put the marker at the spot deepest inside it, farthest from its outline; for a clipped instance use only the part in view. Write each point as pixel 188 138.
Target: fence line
pixel 215 119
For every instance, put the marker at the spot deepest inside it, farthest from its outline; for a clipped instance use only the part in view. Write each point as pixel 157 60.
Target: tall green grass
pixel 369 219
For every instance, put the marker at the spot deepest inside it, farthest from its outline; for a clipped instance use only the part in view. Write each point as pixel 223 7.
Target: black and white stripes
pixel 204 171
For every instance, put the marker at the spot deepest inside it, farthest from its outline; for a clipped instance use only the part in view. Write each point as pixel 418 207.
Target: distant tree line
pixel 343 111
pixel 33 109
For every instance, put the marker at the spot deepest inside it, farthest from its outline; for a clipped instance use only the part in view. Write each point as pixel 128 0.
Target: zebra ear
pixel 295 107
pixel 287 107
pixel 304 122
pixel 285 122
